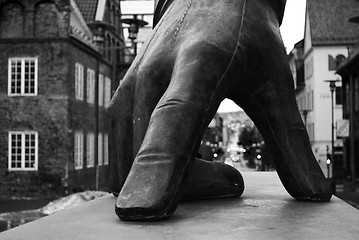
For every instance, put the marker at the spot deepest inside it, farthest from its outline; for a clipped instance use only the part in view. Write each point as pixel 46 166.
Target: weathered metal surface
pixel 200 52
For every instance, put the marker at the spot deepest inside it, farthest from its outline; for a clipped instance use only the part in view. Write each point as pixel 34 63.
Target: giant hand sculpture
pixel 200 52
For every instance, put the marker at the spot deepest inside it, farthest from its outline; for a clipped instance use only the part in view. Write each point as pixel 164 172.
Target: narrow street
pixel 235 156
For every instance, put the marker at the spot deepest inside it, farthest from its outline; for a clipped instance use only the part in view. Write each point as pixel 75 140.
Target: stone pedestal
pixel 265 211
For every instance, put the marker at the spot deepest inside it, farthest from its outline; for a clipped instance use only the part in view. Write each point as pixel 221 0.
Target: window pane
pixel 30 151
pixel 338 96
pixel 90 149
pixel 15 80
pixel 78 150
pixel 22 76
pixel 105 151
pixel 100 149
pixel 23 152
pixel 107 92
pixel 15 150
pixel 79 81
pixel 90 86
pixel 27 161
pixel 29 76
pixel 100 90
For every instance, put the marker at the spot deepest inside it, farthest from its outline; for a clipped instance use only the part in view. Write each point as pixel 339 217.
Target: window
pixel 347 99
pixel 105 147
pixel 334 63
pixel 22 77
pixel 90 149
pixel 107 97
pixel 338 96
pixel 311 131
pixel 78 150
pixel 79 81
pixel 309 68
pixel 23 147
pixel 100 90
pixel 100 149
pixel 90 85
pixel 310 100
pixel 301 103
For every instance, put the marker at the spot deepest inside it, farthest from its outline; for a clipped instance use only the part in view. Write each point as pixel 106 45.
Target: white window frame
pixel 107 93
pixel 105 149
pixel 100 150
pixel 311 131
pixel 79 81
pixel 90 86
pixel 78 150
pixel 23 153
pixel 310 100
pixel 22 76
pixel 100 89
pixel 90 150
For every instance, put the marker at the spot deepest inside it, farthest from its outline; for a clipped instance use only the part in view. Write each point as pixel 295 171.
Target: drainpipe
pixel 97 121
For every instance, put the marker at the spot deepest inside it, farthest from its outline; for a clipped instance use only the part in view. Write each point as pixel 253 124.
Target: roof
pixel 329 23
pixel 88 9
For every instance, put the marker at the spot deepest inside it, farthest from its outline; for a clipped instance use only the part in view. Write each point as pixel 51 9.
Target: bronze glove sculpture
pixel 200 52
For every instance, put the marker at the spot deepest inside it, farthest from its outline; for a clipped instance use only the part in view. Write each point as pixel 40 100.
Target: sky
pixel 292 31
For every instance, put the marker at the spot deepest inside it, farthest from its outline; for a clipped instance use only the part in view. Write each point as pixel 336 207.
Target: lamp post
pixel 332 89
pixel 135 24
pixel 98 39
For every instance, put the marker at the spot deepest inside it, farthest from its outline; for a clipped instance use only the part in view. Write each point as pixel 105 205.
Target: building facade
pixel 350 80
pixel 59 69
pixel 212 148
pixel 327 37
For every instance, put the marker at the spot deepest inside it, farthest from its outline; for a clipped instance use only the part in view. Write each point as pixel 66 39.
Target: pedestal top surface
pixel 265 211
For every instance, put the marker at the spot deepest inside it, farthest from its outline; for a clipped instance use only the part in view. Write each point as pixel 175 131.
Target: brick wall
pixel 34 18
pixel 82 117
pixel 40 29
pixel 45 113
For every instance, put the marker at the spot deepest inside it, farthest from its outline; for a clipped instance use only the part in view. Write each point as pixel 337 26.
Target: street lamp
pixel 332 89
pixel 98 29
pixel 135 24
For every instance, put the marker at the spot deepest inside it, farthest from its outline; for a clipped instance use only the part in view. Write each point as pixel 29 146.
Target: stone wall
pixel 40 29
pixel 46 113
pixel 82 117
pixel 34 18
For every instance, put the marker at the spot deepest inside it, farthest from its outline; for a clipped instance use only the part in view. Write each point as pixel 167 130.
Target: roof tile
pixel 329 21
pixel 88 9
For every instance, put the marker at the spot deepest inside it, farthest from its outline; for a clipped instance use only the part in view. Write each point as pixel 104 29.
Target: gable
pixel 77 21
pixel 307 35
pixel 78 26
